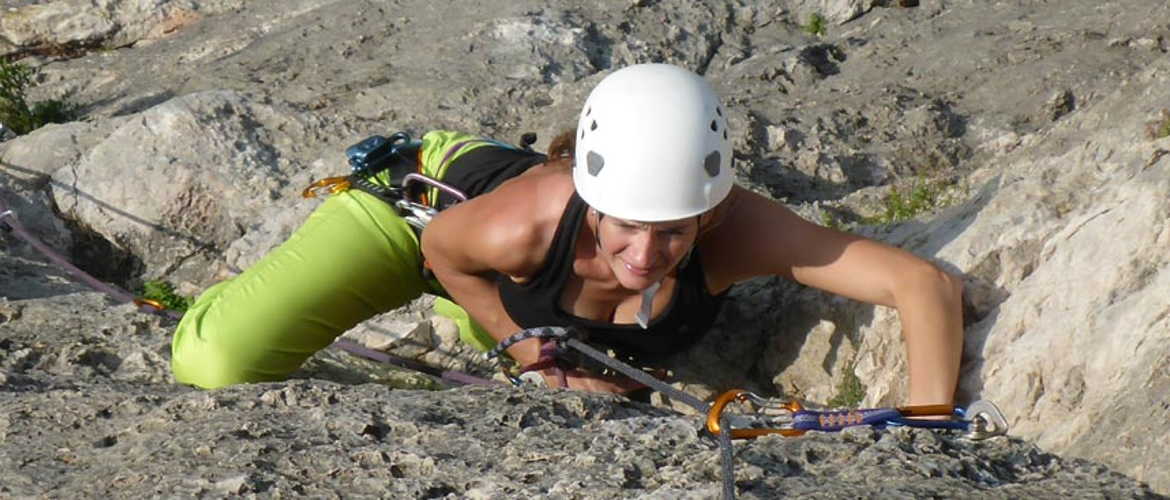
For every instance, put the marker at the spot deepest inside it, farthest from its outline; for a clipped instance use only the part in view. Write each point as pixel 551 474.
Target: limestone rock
pixel 205 119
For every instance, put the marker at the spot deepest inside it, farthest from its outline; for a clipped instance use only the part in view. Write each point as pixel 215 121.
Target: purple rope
pixel 448 375
pixel 8 217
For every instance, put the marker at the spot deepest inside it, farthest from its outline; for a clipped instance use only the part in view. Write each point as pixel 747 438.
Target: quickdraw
pixel 981 420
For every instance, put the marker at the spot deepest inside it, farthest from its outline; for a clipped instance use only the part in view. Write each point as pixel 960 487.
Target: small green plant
pixel 16 112
pixel 850 390
pixel 164 293
pixel 900 206
pixel 829 220
pixel 1160 127
pixel 815 25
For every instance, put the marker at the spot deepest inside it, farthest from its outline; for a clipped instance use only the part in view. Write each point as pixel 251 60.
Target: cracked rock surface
pixel 1023 146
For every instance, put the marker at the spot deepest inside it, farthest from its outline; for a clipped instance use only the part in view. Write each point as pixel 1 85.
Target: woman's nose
pixel 643 248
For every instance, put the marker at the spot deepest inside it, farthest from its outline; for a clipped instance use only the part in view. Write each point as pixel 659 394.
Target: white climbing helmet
pixel 652 145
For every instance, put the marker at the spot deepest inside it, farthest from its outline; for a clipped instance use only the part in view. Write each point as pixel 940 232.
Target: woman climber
pixel 631 228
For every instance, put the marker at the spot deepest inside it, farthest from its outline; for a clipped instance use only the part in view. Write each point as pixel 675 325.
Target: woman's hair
pixel 564 146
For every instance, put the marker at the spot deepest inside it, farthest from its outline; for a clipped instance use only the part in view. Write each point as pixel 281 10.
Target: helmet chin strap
pixel 647 307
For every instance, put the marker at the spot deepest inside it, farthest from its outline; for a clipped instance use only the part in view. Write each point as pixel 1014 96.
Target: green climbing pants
pixel 354 258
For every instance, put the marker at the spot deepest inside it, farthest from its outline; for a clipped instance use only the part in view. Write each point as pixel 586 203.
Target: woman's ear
pixel 712 218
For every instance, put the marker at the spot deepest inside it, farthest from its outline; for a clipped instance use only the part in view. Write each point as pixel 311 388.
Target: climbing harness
pixel 371 160
pixel 980 420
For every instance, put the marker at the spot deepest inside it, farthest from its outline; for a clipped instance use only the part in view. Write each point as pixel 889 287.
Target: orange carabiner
pixel 726 398
pixel 158 306
pixel 332 185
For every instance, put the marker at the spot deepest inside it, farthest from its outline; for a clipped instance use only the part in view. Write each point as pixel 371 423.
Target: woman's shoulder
pixel 537 196
pixel 753 236
pixel 512 227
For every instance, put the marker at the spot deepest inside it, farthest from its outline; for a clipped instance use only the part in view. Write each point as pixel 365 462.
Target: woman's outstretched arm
pixel 762 237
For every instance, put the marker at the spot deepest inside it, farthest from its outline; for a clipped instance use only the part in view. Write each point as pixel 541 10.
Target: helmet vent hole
pixel 593 126
pixel 710 164
pixel 718 111
pixel 589 111
pixel 595 161
pixel 725 134
pixel 714 126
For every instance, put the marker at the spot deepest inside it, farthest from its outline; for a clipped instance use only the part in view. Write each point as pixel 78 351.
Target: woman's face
pixel 642 253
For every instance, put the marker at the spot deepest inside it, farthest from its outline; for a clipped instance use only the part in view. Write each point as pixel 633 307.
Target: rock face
pixel 1033 132
pixel 86 410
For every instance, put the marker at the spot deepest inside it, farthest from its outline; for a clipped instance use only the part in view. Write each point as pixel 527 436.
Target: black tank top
pixel 484 169
pixel 536 302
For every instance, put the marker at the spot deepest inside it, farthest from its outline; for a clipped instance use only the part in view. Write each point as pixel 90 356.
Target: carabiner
pixel 331 185
pixel 434 183
pixel 158 306
pixel 740 395
pixel 415 214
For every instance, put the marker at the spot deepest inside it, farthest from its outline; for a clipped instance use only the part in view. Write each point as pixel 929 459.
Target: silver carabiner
pixel 415 214
pixel 435 183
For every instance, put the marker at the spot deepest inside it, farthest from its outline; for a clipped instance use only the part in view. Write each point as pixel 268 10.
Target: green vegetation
pixel 897 205
pixel 850 391
pixel 164 293
pixel 1163 130
pixel 16 112
pixel 922 197
pixel 1160 127
pixel 815 25
pixel 829 220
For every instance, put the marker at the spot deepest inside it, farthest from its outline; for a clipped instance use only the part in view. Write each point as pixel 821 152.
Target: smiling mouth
pixel 638 271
